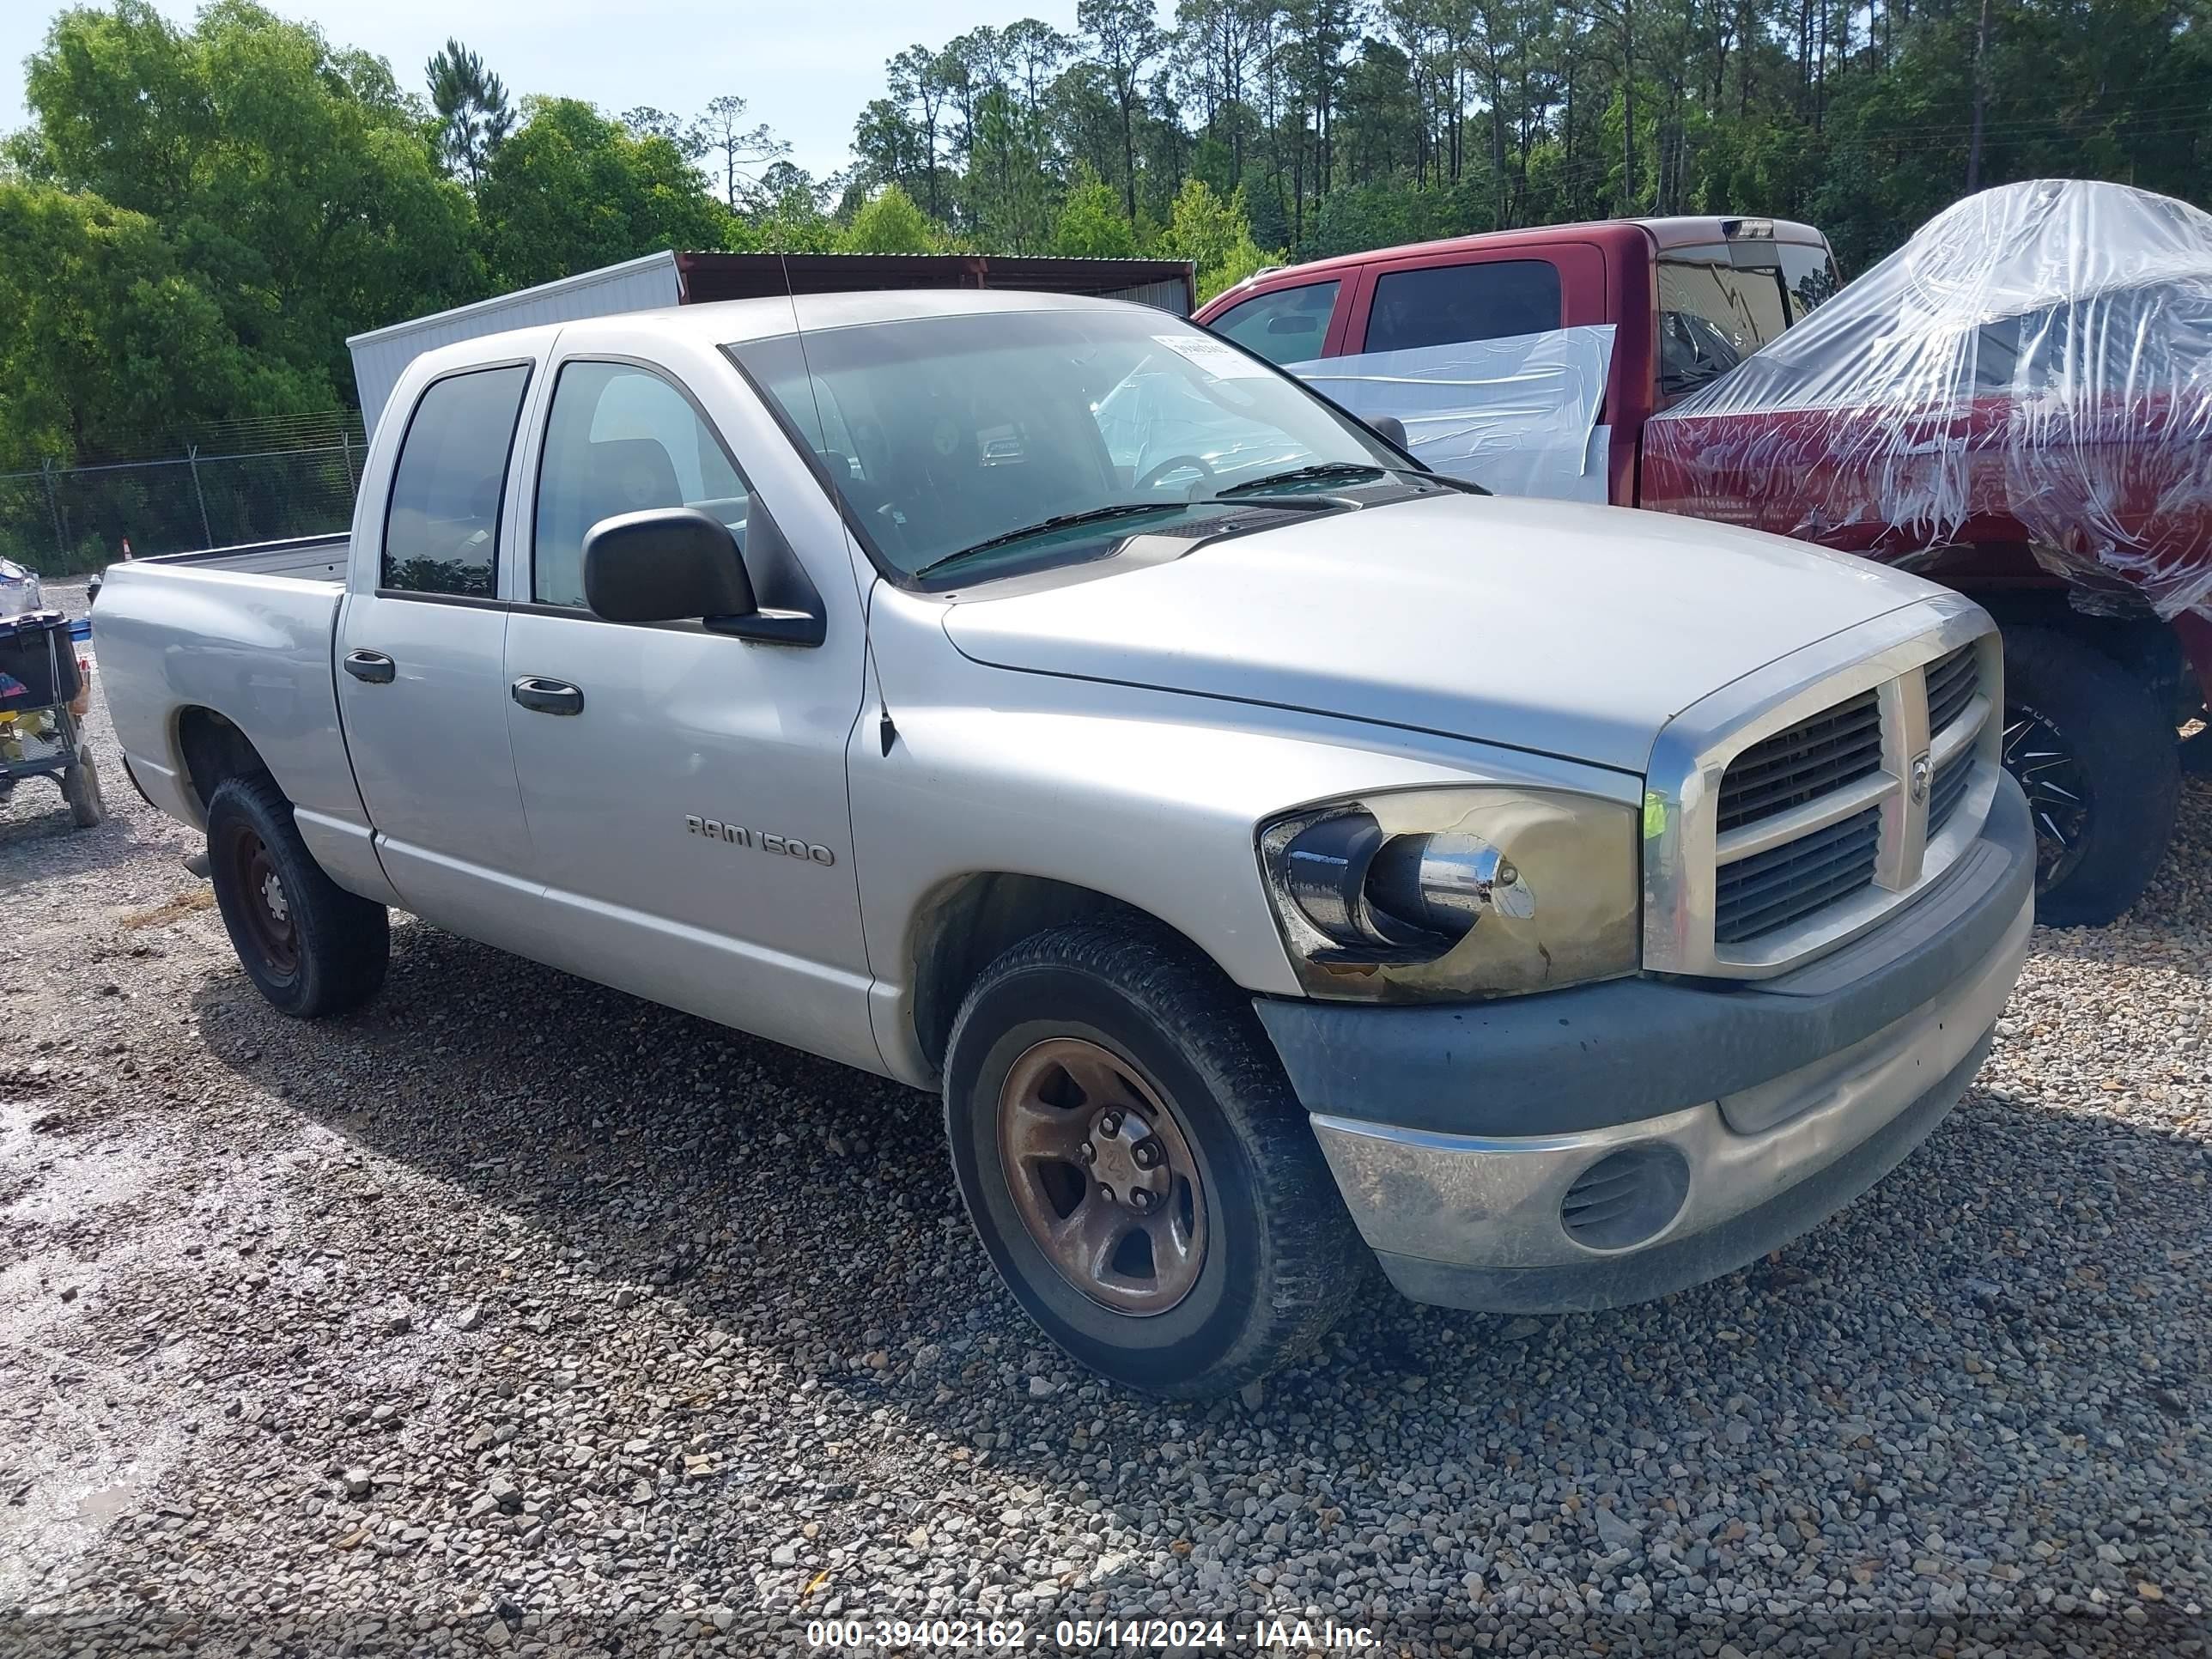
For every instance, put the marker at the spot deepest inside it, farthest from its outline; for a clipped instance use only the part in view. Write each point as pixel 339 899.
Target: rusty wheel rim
pixel 266 906
pixel 1102 1176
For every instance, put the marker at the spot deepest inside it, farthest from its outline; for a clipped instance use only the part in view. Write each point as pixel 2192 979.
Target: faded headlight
pixel 1433 894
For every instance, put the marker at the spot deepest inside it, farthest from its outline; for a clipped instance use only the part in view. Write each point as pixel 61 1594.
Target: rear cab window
pixel 1454 304
pixel 1284 324
pixel 441 525
pixel 1808 275
pixel 1718 304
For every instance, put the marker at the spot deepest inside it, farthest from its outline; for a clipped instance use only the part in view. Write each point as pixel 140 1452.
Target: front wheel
pixel 2096 757
pixel 1136 1166
pixel 308 946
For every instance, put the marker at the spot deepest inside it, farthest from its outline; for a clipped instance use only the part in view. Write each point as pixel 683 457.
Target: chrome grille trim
pixel 1934 672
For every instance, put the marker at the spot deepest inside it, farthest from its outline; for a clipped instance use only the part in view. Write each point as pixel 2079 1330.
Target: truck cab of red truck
pixel 2097 680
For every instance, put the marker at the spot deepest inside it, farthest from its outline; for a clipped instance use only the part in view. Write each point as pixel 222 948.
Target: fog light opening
pixel 1625 1198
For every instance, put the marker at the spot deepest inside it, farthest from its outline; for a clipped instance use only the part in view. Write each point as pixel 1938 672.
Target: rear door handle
pixel 373 666
pixel 546 696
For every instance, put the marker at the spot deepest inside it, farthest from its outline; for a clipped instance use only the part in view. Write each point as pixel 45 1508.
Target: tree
pixel 1091 225
pixel 293 181
pixel 473 115
pixel 890 223
pixel 572 190
pixel 1126 33
pixel 647 121
pixel 108 344
pixel 917 84
pixel 887 145
pixel 721 131
pixel 1213 234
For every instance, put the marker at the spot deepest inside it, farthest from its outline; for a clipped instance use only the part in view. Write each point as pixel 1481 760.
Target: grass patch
pixel 172 909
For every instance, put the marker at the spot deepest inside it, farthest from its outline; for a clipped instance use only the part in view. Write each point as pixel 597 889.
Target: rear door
pixel 1488 387
pixel 421 643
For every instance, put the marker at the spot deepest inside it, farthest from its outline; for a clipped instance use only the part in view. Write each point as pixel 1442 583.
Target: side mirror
pixel 1389 427
pixel 666 564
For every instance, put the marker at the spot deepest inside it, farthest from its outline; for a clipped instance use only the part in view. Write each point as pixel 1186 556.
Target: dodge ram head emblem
pixel 1923 770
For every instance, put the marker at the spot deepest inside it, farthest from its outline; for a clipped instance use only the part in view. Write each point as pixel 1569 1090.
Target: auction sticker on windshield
pixel 1222 360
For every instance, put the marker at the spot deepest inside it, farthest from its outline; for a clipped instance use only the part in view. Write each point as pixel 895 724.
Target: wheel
pixel 81 789
pixel 2097 759
pixel 1137 1167
pixel 310 946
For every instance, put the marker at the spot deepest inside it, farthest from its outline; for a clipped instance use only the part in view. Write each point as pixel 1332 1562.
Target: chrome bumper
pixel 1475 1221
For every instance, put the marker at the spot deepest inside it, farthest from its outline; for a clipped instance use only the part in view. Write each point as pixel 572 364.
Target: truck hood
pixel 1570 630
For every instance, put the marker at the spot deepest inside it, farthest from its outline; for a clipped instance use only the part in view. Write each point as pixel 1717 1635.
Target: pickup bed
pixel 1277 863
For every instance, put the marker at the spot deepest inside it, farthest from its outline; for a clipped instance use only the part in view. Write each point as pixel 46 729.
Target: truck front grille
pixel 1784 884
pixel 1835 747
pixel 1949 790
pixel 1761 854
pixel 1953 679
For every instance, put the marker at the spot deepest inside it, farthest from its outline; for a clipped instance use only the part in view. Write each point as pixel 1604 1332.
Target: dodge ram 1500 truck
pixel 1276 861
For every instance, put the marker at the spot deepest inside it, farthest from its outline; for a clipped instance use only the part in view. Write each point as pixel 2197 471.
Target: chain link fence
pixel 64 520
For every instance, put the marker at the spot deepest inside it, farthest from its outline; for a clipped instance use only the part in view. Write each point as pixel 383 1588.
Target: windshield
pixel 1011 438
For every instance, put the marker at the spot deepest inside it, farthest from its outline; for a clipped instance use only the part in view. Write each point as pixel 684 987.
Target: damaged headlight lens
pixel 1432 894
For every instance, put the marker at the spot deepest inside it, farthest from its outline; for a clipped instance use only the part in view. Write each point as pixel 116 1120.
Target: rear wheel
pixel 308 946
pixel 2097 759
pixel 1136 1166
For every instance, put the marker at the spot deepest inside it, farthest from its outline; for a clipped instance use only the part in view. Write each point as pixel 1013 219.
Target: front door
pixel 685 789
pixel 420 690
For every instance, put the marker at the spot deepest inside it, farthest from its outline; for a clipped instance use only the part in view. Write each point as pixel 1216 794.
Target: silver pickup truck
pixel 1280 859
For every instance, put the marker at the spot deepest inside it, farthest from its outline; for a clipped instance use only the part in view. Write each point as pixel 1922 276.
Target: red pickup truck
pixel 2099 679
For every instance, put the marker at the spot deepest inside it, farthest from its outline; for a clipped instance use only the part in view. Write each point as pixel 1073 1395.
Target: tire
pixel 309 946
pixel 81 789
pixel 2077 723
pixel 1273 1259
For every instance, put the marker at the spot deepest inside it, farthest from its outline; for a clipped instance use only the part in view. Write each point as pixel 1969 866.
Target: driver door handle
pixel 546 696
pixel 373 666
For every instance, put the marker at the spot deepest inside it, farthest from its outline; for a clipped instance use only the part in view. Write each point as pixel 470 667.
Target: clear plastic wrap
pixel 1517 415
pixel 2034 366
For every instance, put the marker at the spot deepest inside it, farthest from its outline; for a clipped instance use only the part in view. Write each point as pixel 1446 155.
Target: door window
pixel 1450 305
pixel 1288 325
pixel 621 439
pixel 441 535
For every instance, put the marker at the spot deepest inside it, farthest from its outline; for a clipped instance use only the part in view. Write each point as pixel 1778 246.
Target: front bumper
pixel 1457 1135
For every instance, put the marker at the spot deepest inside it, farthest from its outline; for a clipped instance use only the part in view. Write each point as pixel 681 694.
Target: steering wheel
pixel 1173 463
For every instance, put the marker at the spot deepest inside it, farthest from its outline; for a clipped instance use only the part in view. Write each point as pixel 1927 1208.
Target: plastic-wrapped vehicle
pixel 2016 405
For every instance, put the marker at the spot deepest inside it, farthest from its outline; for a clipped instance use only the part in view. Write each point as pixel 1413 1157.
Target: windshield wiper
pixel 1300 475
pixel 1058 521
pixel 1344 470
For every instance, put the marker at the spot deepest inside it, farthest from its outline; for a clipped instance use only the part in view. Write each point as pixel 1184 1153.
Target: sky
pixel 805 66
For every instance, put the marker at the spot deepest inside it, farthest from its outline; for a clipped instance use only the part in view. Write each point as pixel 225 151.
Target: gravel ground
pixel 514 1314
